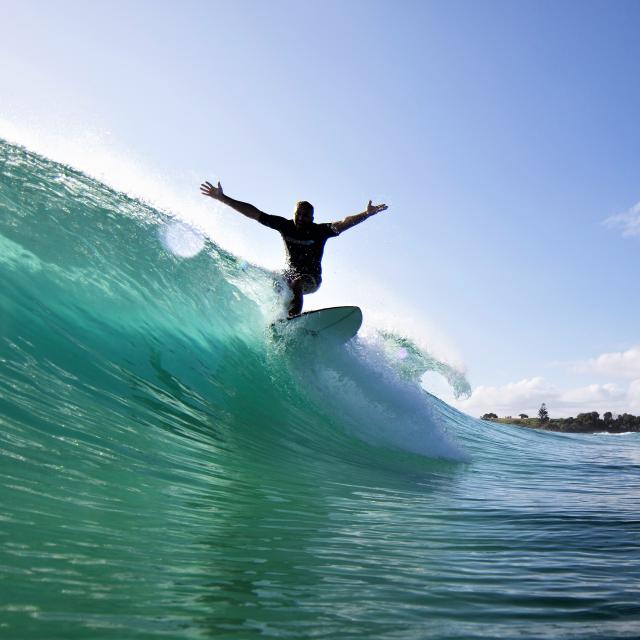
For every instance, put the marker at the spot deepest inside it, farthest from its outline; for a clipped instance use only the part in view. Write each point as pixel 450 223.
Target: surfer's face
pixel 303 214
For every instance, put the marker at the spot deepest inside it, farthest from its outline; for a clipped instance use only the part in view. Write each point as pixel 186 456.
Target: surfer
pixel 303 238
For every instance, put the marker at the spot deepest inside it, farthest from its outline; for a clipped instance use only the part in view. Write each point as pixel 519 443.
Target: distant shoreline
pixel 583 423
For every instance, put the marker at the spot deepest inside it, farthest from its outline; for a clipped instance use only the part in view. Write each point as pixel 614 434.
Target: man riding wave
pixel 303 238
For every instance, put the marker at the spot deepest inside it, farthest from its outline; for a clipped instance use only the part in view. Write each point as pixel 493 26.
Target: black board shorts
pixel 310 283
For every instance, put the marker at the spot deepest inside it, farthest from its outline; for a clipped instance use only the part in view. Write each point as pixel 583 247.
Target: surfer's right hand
pixel 207 189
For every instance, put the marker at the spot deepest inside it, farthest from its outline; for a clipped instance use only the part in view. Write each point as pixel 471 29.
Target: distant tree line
pixel 586 422
pixel 582 423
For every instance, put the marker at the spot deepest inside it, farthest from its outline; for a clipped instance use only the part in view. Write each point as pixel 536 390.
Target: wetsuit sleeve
pixel 328 231
pixel 273 222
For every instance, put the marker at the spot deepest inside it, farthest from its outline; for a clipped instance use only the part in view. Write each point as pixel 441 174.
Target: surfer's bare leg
pixel 301 284
pixel 295 308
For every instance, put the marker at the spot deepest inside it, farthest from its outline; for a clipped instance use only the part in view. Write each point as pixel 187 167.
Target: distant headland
pixel 582 423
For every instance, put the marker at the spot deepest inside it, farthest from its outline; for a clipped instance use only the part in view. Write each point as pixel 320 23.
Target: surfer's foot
pixel 295 309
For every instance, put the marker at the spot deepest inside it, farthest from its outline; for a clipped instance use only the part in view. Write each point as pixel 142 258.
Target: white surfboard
pixel 337 323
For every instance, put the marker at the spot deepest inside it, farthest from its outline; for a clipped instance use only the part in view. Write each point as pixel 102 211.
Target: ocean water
pixel 169 470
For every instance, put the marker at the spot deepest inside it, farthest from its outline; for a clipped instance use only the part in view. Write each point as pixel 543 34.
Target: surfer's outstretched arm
pixel 352 221
pixel 246 209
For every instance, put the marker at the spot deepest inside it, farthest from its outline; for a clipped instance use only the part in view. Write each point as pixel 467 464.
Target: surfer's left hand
pixel 372 209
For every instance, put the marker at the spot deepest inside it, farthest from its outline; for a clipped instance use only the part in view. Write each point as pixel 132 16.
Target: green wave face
pixel 169 469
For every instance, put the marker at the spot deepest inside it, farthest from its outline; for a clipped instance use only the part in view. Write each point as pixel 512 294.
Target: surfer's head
pixel 304 213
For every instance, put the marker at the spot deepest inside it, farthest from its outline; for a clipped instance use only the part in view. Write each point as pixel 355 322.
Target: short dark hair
pixel 303 205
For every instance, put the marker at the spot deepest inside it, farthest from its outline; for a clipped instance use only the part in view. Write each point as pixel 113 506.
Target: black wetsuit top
pixel 305 245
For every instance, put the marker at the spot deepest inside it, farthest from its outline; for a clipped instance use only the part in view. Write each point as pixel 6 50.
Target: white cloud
pixel 509 399
pixel 634 397
pixel 624 364
pixel 629 221
pixel 526 396
pixel 593 395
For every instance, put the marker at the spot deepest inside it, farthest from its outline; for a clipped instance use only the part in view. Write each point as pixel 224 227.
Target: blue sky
pixel 503 136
